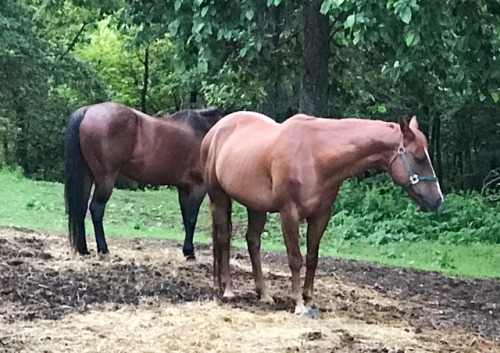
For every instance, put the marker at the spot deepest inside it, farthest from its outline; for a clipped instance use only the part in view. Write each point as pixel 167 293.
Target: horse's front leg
pixel 290 226
pixel 316 225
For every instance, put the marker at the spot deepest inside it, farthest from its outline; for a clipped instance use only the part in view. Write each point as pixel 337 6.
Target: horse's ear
pixel 210 111
pixel 414 122
pixel 405 129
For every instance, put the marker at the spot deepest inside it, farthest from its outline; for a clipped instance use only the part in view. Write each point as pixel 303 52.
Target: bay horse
pixel 296 168
pixel 105 139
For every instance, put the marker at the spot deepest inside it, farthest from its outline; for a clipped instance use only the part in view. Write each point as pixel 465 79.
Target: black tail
pixel 76 194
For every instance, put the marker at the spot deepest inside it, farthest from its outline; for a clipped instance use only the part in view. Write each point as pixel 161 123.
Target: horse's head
pixel 411 167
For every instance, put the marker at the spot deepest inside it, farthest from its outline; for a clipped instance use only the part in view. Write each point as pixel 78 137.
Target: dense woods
pixel 377 59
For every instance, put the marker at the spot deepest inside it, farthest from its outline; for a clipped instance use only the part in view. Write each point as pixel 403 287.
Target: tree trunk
pixel 316 53
pixel 271 105
pixel 436 143
pixel 22 137
pixel 193 98
pixel 145 80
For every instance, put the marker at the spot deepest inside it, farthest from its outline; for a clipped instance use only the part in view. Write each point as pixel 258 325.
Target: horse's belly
pixel 250 188
pixel 154 175
pixel 254 201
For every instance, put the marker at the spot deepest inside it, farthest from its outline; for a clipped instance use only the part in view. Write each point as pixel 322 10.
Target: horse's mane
pixel 200 120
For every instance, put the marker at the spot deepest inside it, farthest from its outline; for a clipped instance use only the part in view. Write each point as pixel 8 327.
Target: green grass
pixel 156 214
pixel 473 260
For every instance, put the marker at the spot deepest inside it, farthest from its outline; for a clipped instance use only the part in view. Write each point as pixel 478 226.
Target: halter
pixel 413 178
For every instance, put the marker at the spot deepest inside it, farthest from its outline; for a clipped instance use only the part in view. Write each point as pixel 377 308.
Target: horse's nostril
pixel 439 201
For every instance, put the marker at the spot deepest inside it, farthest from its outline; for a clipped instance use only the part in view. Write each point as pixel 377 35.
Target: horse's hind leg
pixel 256 222
pixel 81 240
pixel 190 200
pixel 220 207
pixel 102 193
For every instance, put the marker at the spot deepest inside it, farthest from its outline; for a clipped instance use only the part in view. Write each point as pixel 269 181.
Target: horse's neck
pixel 354 146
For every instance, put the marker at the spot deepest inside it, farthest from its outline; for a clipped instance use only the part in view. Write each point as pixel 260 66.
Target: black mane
pixel 200 120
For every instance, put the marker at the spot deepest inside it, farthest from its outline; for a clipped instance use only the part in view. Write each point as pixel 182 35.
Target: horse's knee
pixel 223 239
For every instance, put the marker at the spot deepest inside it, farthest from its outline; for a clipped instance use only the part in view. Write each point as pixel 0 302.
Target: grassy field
pixel 156 214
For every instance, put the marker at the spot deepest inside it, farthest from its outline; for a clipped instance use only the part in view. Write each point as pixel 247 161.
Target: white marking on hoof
pixel 228 294
pixel 300 309
pixel 266 299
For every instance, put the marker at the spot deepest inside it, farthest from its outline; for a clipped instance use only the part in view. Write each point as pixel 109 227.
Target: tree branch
pixel 290 37
pixel 491 180
pixel 73 42
pixel 341 17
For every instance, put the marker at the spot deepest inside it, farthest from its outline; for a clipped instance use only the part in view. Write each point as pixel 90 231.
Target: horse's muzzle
pixel 430 204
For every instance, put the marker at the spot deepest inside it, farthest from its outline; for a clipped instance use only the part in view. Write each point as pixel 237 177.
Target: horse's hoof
pixel 103 250
pixel 103 256
pixel 190 257
pixel 300 309
pixel 267 299
pixel 228 295
pixel 84 252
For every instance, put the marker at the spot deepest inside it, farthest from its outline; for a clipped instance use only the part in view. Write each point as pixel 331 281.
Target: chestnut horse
pixel 106 139
pixel 296 168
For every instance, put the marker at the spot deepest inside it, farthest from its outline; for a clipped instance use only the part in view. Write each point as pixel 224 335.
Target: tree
pixel 316 54
pixel 32 102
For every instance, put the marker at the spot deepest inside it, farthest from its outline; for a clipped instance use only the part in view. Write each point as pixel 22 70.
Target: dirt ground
pixel 146 298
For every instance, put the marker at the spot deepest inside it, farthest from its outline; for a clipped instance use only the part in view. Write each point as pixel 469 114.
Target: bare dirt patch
pixel 146 298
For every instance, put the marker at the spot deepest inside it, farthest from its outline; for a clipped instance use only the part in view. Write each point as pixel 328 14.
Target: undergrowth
pixel 381 212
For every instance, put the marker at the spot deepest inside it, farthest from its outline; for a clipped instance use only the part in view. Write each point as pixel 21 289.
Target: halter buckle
pixel 401 150
pixel 414 179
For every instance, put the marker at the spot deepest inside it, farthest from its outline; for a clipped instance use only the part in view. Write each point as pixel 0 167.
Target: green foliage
pixel 435 59
pixel 378 211
pixel 120 69
pixel 34 95
pixel 224 89
pixel 226 47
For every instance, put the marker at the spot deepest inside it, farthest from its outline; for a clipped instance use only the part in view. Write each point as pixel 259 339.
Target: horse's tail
pixel 76 193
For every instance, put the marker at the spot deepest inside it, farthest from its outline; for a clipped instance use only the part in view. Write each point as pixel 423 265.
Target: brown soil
pixel 146 298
